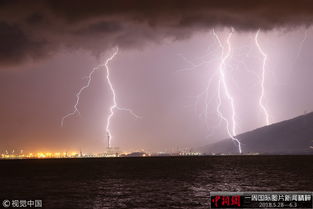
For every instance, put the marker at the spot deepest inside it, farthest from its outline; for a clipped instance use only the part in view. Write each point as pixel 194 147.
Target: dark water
pixel 164 182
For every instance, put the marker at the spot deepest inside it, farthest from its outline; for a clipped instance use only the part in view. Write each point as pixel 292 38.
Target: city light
pixel 111 153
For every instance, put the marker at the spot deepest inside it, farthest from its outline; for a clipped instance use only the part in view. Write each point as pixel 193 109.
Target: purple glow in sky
pixel 167 72
pixel 151 83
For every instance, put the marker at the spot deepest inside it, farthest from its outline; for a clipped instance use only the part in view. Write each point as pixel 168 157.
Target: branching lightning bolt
pixel 112 107
pixel 76 111
pixel 261 98
pixel 223 84
pixel 115 104
pixel 203 96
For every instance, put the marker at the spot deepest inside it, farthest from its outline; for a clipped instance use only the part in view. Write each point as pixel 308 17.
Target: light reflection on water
pixel 167 182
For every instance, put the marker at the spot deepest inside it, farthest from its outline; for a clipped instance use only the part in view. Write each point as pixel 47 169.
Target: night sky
pixel 167 57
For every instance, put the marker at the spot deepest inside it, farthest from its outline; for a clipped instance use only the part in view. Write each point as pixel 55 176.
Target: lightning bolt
pixel 261 98
pixel 231 127
pixel 76 111
pixel 112 107
pixel 203 95
pixel 115 104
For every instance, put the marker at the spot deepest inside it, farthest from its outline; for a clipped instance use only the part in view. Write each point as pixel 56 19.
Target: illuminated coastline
pixel 109 153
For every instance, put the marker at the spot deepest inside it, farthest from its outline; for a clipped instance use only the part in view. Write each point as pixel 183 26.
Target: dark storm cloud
pixel 34 28
pixel 16 46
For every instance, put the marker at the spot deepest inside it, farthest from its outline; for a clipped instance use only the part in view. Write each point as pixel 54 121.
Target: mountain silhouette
pixel 294 136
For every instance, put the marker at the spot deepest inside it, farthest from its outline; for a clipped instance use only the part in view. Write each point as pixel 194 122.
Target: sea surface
pixel 149 182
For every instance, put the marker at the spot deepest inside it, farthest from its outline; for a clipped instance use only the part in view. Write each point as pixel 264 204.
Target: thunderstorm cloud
pixel 34 29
